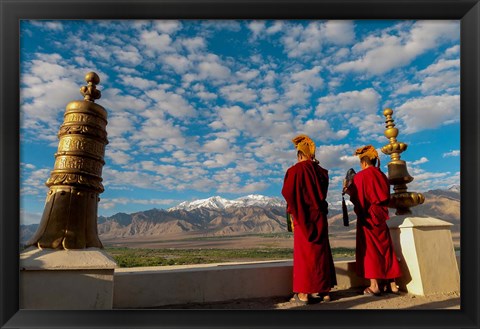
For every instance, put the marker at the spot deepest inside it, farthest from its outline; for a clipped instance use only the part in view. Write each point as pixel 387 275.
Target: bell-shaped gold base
pixel 69 220
pixel 404 201
pixel 398 173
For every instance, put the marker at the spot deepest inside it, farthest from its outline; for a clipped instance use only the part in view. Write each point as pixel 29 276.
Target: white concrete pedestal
pixel 427 255
pixel 66 279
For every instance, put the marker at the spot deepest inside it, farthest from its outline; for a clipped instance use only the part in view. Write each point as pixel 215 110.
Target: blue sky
pixel 199 108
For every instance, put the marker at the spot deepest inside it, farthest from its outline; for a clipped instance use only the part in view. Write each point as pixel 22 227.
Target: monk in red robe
pixel 305 189
pixel 370 193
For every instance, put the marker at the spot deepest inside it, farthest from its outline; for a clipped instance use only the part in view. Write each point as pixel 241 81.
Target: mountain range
pixel 250 214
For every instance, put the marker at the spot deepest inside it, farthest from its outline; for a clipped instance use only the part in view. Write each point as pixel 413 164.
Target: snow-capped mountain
pixel 454 188
pixel 217 202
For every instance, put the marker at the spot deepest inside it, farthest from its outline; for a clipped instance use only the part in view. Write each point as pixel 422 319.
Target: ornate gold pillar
pixel 69 219
pixel 398 175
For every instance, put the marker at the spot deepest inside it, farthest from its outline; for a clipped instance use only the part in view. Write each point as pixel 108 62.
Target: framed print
pixel 203 99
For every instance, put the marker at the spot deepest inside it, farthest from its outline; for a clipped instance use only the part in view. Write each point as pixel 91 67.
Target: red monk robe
pixel 375 257
pixel 305 189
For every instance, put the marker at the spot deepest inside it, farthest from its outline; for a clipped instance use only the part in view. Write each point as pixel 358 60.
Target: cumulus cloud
pixel 239 93
pixel 167 26
pixel 174 104
pixel 429 112
pixel 308 40
pixel 213 69
pixel 378 54
pixel 364 101
pixel 420 161
pixel 180 64
pixel 256 27
pixel 157 42
pixel 321 130
pixel 33 181
pixel 48 25
pixel 453 153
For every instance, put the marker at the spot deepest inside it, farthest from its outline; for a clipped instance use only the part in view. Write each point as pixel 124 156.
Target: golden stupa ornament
pixel 69 219
pixel 401 199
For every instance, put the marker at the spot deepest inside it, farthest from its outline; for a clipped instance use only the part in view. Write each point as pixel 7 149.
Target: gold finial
pixel 90 92
pixel 398 175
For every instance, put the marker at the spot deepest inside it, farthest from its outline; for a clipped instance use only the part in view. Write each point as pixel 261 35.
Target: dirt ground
pixel 341 300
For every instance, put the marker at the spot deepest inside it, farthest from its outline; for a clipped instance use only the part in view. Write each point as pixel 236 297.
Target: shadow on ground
pixel 341 300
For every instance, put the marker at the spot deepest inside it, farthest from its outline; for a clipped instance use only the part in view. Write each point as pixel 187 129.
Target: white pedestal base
pixel 66 279
pixel 427 256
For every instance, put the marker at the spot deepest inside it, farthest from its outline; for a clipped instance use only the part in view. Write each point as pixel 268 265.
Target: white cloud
pixel 239 93
pixel 276 27
pixel 202 93
pixel 441 65
pixel 121 124
pixel 429 112
pixel 336 156
pixel 171 103
pixel 339 32
pixel 159 43
pixel 179 63
pixel 109 203
pixel 364 101
pixel 118 157
pixel 309 40
pixel 378 54
pixel 219 145
pixel 454 153
pixel 167 26
pixel 448 81
pixel 453 51
pixel 116 101
pixel 321 130
pixel 425 180
pixel 193 44
pixel 128 55
pixel 47 87
pixel 156 131
pixel 213 69
pixel 247 75
pixel 420 161
pixel 268 95
pixel 299 85
pixel 48 25
pixel 33 182
pixel 310 78
pixel 137 82
pixel 256 27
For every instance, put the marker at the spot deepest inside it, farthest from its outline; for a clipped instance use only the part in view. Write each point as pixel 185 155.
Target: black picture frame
pixel 12 11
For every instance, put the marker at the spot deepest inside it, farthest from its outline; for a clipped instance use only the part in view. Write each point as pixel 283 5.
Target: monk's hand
pixel 346 185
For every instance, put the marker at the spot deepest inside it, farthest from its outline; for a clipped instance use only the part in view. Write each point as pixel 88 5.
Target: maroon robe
pixel 305 189
pixel 375 257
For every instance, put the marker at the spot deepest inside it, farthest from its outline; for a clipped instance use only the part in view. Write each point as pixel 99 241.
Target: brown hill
pixel 245 220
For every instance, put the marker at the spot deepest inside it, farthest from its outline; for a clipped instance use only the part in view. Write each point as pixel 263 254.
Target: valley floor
pixel 273 240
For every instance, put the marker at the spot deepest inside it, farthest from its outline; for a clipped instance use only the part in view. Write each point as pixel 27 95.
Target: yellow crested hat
pixel 368 151
pixel 305 144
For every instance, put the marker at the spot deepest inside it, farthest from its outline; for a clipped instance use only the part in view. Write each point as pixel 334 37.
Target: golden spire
pixel 398 175
pixel 69 218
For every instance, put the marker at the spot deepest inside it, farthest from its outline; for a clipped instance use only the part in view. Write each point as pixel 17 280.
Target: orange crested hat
pixel 368 151
pixel 305 144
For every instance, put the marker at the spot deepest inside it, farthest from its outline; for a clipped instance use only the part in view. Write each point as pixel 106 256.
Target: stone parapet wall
pixel 157 286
